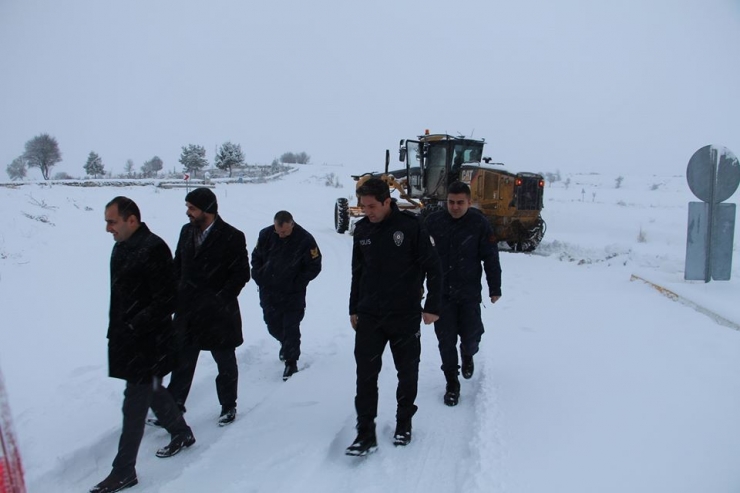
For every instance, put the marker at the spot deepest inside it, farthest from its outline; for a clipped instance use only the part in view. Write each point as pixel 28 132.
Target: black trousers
pixel 137 399
pixel 226 381
pixel 285 326
pixel 371 337
pixel 458 320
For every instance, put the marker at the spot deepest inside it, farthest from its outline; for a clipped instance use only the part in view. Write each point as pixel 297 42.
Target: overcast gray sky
pixel 575 85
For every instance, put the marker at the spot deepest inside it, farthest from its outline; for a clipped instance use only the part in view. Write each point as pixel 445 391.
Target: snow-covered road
pixel 585 381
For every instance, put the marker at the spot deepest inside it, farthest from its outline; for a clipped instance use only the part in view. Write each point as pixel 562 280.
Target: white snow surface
pixel 585 381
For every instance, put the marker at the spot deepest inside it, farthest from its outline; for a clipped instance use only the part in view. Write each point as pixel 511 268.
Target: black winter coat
pixel 209 280
pixel 462 245
pixel 389 262
pixel 142 299
pixel 283 267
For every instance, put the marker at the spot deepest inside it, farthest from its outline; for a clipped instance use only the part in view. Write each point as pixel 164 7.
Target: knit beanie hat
pixel 203 199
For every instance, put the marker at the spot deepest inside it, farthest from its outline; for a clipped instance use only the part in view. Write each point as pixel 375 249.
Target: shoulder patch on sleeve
pixel 315 252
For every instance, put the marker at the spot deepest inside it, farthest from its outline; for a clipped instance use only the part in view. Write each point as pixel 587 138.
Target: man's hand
pixel 353 321
pixel 494 299
pixel 429 318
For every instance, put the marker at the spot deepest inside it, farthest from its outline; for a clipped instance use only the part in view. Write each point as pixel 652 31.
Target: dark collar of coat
pixel 297 235
pixel 216 229
pixel 136 239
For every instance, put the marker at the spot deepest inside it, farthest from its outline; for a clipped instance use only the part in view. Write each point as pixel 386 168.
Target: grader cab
pixel 511 201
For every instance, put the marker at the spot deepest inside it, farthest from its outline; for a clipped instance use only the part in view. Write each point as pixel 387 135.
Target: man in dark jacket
pixel 140 337
pixel 211 268
pixel 464 239
pixel 391 256
pixel 284 261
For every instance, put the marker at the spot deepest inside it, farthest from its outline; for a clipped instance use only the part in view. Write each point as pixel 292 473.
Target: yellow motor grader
pixel 511 201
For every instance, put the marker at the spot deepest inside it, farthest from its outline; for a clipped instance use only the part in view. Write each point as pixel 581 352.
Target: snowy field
pixel 586 381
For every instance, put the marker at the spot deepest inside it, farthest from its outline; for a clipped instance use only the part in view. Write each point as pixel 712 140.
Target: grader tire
pixel 534 238
pixel 341 215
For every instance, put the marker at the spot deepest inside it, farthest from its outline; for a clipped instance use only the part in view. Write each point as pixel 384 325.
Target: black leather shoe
pixel 114 483
pixel 228 415
pixel 178 443
pixel 291 367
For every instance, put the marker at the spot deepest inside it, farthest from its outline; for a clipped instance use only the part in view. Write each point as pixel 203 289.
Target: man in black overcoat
pixel 140 338
pixel 211 268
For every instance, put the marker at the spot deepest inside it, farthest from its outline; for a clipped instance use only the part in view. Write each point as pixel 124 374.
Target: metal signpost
pixel 713 175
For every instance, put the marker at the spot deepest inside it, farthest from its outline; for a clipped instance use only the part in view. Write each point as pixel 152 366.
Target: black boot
pixel 115 483
pixel 403 432
pixel 228 415
pixel 291 367
pixel 366 441
pixel 178 443
pixel 467 367
pixel 452 393
pixel 402 436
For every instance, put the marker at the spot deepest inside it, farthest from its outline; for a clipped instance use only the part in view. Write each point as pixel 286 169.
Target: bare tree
pixel 152 167
pixel 129 167
pixel 17 169
pixel 42 152
pixel 302 158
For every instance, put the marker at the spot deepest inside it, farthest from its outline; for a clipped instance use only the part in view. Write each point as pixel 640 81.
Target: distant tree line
pixel 43 152
pixel 295 158
pixel 551 178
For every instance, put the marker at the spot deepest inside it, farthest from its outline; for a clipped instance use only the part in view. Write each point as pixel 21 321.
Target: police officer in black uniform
pixel 464 240
pixel 391 256
pixel 284 261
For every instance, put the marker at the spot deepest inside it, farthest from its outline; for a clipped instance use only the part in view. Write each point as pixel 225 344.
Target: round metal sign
pixel 713 174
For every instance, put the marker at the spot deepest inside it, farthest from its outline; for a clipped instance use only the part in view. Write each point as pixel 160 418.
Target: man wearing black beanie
pixel 211 268
pixel 204 199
